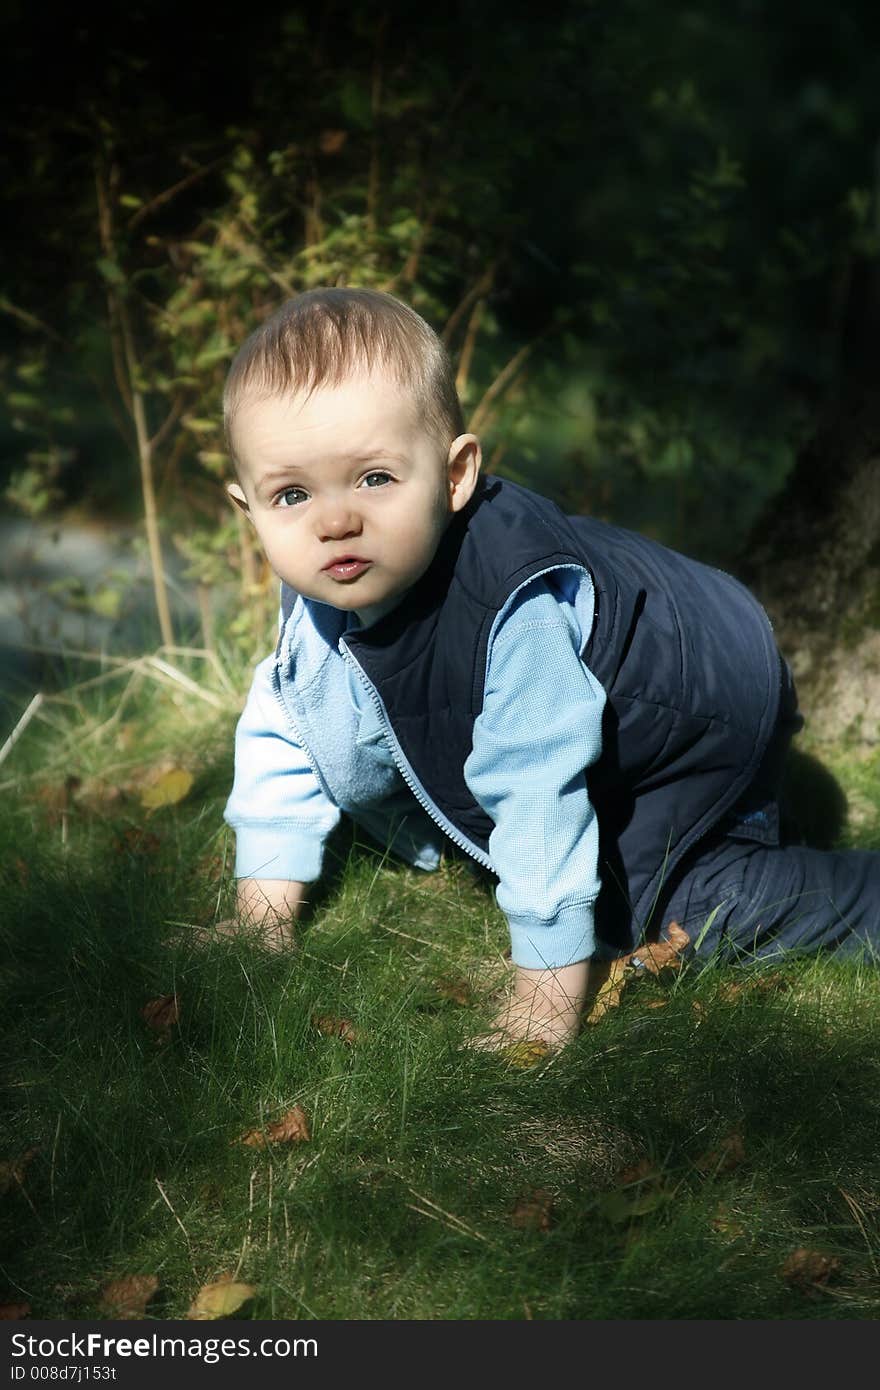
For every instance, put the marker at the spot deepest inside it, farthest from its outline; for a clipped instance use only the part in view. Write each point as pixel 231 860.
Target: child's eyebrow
pixel 376 455
pixel 369 456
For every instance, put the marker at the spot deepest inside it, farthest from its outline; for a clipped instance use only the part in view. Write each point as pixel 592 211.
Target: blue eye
pixel 288 497
pixel 384 477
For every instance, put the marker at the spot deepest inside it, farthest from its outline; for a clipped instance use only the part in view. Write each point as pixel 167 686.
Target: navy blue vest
pixel 684 652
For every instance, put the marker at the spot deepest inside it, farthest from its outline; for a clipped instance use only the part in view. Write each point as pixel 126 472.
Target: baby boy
pixel 596 720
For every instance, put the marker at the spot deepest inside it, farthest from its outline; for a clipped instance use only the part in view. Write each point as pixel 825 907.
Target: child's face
pixel 348 491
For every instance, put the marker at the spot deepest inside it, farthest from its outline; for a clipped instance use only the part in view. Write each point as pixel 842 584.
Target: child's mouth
pixel 348 568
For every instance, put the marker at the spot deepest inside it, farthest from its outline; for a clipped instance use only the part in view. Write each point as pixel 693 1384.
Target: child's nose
pixel 336 520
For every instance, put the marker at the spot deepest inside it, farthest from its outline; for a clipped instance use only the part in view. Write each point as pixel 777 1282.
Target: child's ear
pixel 235 493
pixel 463 469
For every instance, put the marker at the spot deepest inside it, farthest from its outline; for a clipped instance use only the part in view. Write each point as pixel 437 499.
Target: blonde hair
pixel 322 337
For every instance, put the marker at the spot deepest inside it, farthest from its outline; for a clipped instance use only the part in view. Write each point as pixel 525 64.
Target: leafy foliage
pixel 640 228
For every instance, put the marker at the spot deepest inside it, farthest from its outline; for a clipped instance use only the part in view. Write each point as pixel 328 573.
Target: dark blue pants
pixel 765 898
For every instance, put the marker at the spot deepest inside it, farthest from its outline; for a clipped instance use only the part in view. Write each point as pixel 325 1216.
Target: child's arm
pixel 280 815
pixel 539 730
pixel 273 905
pixel 544 1004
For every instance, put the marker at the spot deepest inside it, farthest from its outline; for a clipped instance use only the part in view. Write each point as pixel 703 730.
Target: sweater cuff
pixel 539 944
pixel 294 853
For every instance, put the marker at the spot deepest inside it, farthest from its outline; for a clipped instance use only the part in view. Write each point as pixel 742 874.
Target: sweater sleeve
pixel 540 728
pixel 278 809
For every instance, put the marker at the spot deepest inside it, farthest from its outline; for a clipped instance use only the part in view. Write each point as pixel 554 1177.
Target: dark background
pixel 650 231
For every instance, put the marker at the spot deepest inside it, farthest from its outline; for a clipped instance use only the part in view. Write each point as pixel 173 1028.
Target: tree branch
pixel 467 350
pixel 165 197
pixel 167 424
pixel 105 233
pixel 503 381
pixel 30 320
pixel 480 288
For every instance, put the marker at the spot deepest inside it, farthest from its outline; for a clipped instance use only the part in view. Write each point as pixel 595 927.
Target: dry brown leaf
pixel 137 840
pixel 460 991
pixel 770 982
pixel 220 1299
pixel 161 1014
pixel 10 1312
pixel 526 1052
pixel 336 1027
pixel 608 994
pixel 677 936
pixel 729 1154
pixel 657 1004
pixel 726 1225
pixel 808 1269
pixel 13 1170
pixel 533 1211
pixel 644 1170
pixel 292 1128
pixel 128 1297
pixel 666 954
pixel 166 788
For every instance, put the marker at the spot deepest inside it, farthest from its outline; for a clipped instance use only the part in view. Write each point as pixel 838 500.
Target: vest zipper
pixel 276 689
pixel 406 771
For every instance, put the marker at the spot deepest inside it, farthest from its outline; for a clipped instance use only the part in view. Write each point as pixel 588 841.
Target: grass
pixel 666 1165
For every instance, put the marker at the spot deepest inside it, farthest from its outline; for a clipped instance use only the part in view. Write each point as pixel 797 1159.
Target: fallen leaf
pixel 525 1053
pixel 640 1188
pixel 657 1004
pixel 292 1128
pixel 136 840
pixel 770 981
pixel 624 1205
pixel 161 1015
pixel 220 1299
pixel 731 990
pixel 665 954
pixel 729 1154
pixel 727 1225
pixel 533 1211
pixel 808 1269
pixel 642 1171
pixel 166 789
pixel 459 991
pixel 608 994
pixel 13 1170
pixel 128 1297
pixel 9 1312
pixel 698 1009
pixel 335 1027
pixel 761 982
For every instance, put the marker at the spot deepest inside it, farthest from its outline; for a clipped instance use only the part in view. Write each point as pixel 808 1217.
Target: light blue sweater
pixel 312 743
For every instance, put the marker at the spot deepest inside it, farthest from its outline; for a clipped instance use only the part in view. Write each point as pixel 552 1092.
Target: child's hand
pixel 267 909
pixel 543 1006
pixel 271 935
